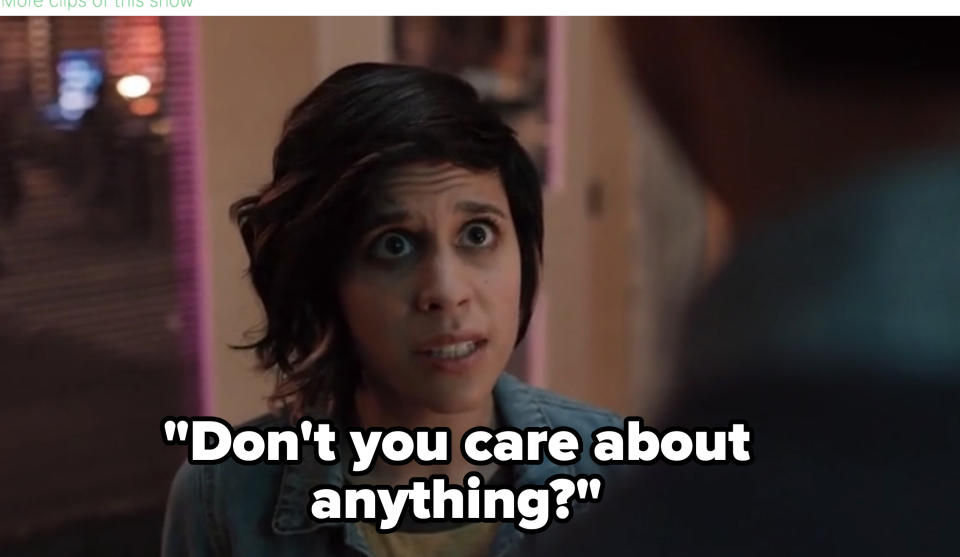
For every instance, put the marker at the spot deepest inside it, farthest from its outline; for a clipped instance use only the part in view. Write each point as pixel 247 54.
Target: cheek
pixel 371 310
pixel 506 288
pixel 503 286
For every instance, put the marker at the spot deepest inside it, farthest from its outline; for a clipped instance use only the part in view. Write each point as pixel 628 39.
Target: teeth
pixel 454 351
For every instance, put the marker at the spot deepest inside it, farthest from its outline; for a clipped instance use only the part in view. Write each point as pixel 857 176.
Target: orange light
pixel 144 106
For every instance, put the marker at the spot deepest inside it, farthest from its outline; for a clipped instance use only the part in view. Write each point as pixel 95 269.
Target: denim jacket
pixel 234 509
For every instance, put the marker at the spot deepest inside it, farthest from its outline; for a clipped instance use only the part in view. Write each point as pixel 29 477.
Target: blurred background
pixel 123 141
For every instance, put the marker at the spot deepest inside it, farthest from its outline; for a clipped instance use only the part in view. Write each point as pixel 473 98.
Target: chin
pixel 443 401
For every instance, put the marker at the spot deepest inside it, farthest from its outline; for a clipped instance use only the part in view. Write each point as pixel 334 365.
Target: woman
pixel 397 254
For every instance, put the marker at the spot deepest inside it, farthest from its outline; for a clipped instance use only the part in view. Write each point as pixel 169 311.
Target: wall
pixel 624 234
pixel 247 87
pixel 253 70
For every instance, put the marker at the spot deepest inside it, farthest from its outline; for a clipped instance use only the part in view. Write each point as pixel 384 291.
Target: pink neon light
pixel 191 244
pixel 202 253
pixel 556 101
pixel 556 114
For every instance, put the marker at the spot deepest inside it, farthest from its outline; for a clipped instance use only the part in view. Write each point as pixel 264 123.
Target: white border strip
pixel 488 7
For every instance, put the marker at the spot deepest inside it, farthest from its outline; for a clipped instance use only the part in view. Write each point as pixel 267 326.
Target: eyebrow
pixel 385 218
pixel 396 216
pixel 477 208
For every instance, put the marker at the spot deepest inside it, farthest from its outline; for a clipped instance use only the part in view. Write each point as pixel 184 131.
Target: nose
pixel 443 284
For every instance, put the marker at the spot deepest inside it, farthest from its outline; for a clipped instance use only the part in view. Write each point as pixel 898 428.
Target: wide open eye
pixel 391 245
pixel 478 235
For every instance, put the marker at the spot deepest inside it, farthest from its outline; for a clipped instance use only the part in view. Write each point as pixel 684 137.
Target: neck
pixel 379 409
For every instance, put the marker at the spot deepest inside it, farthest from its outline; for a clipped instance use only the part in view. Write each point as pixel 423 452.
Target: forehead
pixel 429 183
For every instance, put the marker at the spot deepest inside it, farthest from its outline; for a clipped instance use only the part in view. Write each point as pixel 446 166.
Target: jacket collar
pixel 517 407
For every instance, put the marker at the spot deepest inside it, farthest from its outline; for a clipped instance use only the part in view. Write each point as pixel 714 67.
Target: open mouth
pixel 454 351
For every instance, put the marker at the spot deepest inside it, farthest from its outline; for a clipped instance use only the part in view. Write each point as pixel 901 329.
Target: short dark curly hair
pixel 336 145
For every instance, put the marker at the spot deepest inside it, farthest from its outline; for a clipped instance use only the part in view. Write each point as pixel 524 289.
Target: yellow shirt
pixel 470 539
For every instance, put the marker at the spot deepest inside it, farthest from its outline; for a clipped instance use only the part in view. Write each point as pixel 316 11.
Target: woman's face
pixel 431 294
